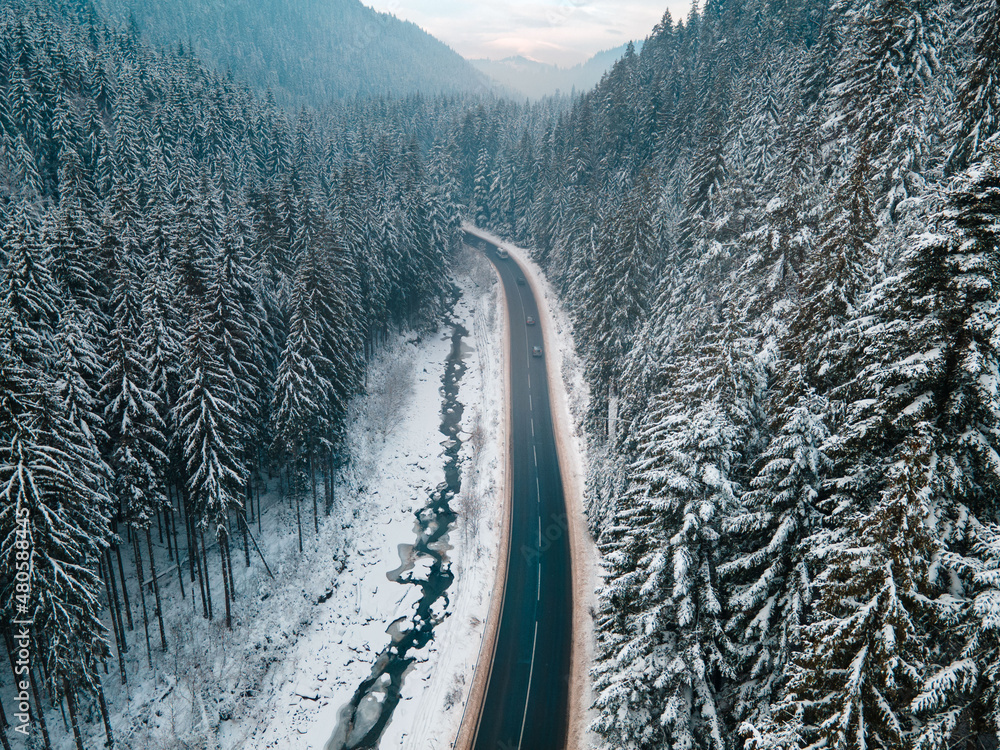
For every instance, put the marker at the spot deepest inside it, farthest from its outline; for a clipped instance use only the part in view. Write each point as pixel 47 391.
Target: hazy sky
pixel 564 32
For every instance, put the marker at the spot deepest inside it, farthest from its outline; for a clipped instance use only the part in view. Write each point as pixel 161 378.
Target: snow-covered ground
pixel 302 643
pixel 435 693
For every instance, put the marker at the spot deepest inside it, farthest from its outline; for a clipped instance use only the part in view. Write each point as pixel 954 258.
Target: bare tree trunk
pixel 42 668
pixel 262 558
pixel 3 730
pixel 229 563
pixel 177 543
pixel 35 711
pixel 204 571
pixel 116 627
pixel 246 542
pixel 170 544
pixel 116 615
pixel 38 714
pixel 156 589
pixel 312 473
pixel 121 571
pixel 242 513
pixel 195 554
pixel 71 705
pixel 223 544
pixel 325 473
pixel 105 716
pixel 192 547
pixel 142 595
pixel 251 473
pixel 180 562
pixel 167 512
pixel 329 482
pixel 62 712
pixel 298 504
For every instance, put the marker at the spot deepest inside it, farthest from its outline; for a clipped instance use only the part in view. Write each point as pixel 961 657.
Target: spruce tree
pixel 770 580
pixel 934 350
pixel 210 434
pixel 979 95
pixel 866 652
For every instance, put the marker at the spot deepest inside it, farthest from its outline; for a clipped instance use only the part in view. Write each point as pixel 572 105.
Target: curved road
pixel 527 700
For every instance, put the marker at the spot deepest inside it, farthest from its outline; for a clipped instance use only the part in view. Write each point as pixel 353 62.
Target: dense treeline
pixel 777 228
pixel 191 284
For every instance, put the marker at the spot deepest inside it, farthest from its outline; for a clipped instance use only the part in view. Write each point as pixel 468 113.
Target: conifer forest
pixel 776 230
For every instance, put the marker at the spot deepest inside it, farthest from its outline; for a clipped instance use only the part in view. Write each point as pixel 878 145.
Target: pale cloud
pixel 564 32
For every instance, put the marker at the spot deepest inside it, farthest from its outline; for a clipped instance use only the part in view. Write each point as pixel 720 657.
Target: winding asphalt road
pixel 527 700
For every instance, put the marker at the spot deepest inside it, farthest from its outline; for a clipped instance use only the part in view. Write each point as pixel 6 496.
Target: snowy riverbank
pixel 302 643
pixel 335 654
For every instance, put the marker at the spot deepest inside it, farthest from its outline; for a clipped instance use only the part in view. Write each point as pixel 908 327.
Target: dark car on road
pixel 529 321
pixel 520 281
pixel 536 351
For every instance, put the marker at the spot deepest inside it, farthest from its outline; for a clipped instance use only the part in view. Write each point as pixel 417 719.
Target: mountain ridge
pixel 305 51
pixel 535 79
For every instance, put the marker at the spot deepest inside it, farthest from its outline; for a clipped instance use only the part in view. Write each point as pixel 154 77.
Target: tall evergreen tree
pixel 208 426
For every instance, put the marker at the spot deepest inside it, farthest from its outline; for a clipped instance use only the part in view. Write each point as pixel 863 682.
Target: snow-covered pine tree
pixel 769 582
pixel 73 234
pixel 659 684
pixel 618 292
pixel 633 644
pixel 354 209
pixel 326 285
pixel 889 90
pixel 302 394
pixel 194 242
pixel 659 672
pixel 835 275
pixel 932 339
pixel 161 337
pixel 27 287
pixel 868 648
pixel 483 182
pixel 53 507
pixel 77 371
pixel 211 438
pixel 425 260
pixel 709 170
pixel 978 102
pixel 135 449
pixel 233 315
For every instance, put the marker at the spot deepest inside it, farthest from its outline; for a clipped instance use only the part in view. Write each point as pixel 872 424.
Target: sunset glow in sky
pixel 564 32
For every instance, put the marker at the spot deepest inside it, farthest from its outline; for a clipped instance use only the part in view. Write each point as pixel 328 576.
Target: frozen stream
pixel 362 721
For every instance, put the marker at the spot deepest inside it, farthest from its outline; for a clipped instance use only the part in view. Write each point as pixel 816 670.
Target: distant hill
pixel 305 50
pixel 536 79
